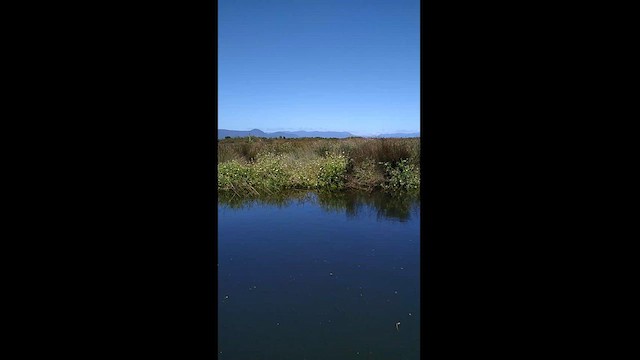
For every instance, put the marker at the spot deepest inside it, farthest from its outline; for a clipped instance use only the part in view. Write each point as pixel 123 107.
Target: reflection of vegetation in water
pixel 337 202
pixel 386 206
pixel 280 199
pixel 399 207
pixel 351 202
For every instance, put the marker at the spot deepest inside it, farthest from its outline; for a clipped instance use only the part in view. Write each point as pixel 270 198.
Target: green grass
pixel 256 166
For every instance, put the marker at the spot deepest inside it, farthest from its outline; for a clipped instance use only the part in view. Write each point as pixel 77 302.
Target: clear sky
pixel 326 65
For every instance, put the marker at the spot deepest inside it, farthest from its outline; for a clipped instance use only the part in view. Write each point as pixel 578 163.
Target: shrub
pixel 366 176
pixel 332 172
pixel 236 177
pixel 227 153
pixel 270 172
pixel 304 175
pixel 392 151
pixel 323 150
pixel 250 148
pixel 401 177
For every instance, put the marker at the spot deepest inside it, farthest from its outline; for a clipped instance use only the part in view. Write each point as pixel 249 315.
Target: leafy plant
pixel 401 177
pixel 332 172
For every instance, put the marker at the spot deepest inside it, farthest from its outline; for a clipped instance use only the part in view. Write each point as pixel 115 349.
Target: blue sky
pixel 326 65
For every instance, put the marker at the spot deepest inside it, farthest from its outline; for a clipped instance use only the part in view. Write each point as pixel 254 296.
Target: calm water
pixel 311 276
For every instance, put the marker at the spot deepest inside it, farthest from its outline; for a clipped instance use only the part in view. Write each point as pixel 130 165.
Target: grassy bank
pixel 259 165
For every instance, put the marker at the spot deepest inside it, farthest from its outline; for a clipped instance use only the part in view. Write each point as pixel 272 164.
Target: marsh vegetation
pixel 253 166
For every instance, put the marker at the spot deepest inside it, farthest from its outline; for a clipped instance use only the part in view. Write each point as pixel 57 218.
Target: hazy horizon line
pixel 360 133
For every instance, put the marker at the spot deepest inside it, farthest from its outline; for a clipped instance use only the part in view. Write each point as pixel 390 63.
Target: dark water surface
pixel 312 276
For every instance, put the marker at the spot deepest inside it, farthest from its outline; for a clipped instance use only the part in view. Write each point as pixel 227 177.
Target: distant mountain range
pixel 399 135
pixel 223 133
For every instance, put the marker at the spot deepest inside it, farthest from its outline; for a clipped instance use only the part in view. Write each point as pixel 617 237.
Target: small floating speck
pixel 226 296
pixel 409 314
pixel 278 324
pixel 395 292
pixel 330 274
